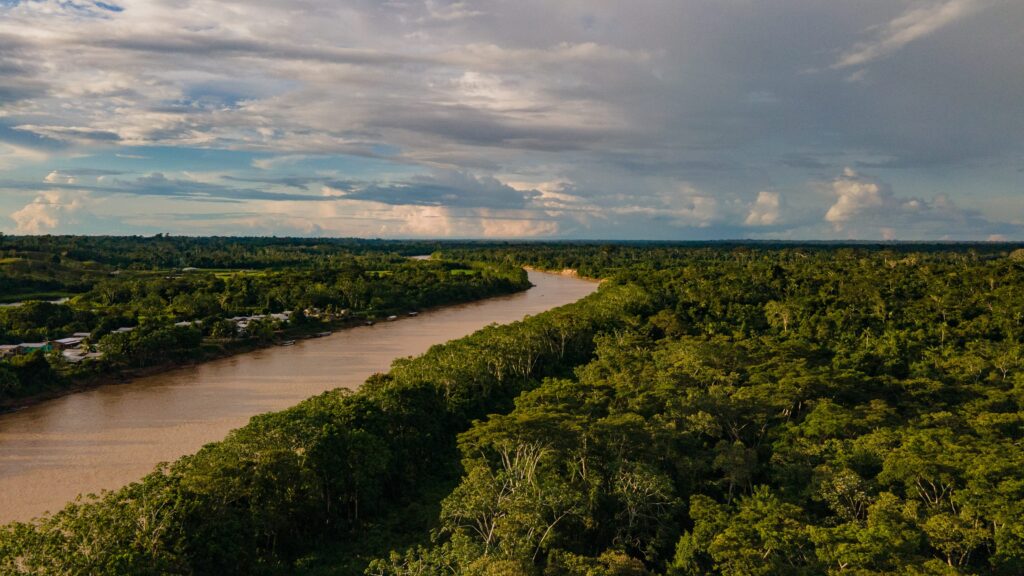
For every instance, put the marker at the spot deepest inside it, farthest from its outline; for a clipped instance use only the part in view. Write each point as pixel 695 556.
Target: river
pixel 108 436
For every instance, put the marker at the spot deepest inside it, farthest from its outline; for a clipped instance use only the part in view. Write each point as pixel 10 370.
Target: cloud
pixel 766 210
pixel 156 184
pixel 855 197
pixel 681 206
pixel 297 182
pixel 23 78
pixel 48 211
pixel 70 176
pixel 865 208
pixel 439 188
pixel 12 155
pixel 449 11
pixel 71 133
pixel 57 176
pixel 373 219
pixel 913 24
pixel 447 188
pixel 673 120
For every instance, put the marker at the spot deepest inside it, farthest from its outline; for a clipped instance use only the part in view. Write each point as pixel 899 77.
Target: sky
pixel 581 119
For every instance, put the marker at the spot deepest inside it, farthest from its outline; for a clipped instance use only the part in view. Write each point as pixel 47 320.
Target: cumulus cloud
pixel 48 211
pixel 57 176
pixel 856 196
pixel 692 208
pixel 374 219
pixel 766 211
pixel 867 208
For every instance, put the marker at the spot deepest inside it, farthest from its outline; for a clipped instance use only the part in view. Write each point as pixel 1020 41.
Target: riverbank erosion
pixel 108 436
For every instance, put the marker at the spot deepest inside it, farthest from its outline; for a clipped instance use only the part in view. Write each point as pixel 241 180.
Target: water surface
pixel 108 436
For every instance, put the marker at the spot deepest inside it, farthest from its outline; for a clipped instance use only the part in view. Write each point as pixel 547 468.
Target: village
pixel 79 346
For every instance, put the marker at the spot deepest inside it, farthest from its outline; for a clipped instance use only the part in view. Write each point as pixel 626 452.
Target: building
pixel 65 343
pixel 29 347
pixel 78 355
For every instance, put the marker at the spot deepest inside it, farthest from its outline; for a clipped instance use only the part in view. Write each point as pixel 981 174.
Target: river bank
pixel 215 351
pixel 568 272
pixel 109 435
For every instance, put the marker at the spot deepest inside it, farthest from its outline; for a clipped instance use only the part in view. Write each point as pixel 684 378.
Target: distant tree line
pixel 325 277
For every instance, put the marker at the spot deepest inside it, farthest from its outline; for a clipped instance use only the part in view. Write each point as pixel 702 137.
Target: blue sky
pixel 654 119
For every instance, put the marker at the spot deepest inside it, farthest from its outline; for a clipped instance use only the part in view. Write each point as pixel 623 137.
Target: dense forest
pixel 137 302
pixel 728 409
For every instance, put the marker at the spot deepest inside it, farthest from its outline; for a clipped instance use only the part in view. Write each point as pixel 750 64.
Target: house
pixel 8 350
pixel 29 347
pixel 244 321
pixel 65 343
pixel 124 330
pixel 78 355
pixel 73 354
pixel 82 334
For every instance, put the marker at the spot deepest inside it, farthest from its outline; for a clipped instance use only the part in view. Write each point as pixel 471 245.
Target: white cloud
pixel 375 219
pixel 56 177
pixel 12 156
pixel 854 197
pixel 766 210
pixel 495 225
pixel 866 208
pixel 47 212
pixel 688 206
pixel 904 29
pixel 447 12
pixel 273 162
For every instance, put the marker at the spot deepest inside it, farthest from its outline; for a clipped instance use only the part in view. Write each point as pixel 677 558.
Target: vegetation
pixel 260 499
pixel 710 410
pixel 181 314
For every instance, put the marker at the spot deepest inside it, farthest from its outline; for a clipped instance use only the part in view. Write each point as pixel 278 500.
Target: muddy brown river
pixel 108 436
